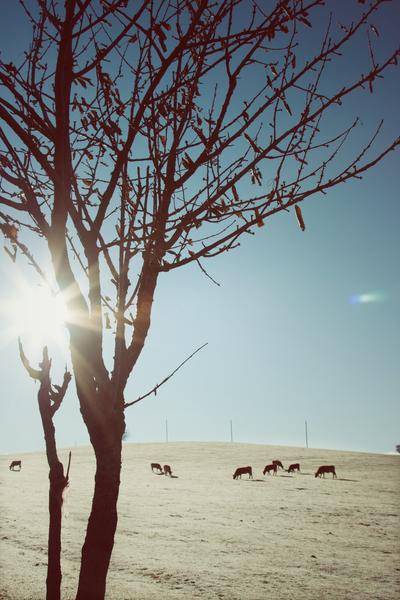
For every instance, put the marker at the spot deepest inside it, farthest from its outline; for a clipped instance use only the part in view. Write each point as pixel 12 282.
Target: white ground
pixel 203 535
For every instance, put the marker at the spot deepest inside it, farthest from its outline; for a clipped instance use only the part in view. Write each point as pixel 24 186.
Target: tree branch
pixel 156 387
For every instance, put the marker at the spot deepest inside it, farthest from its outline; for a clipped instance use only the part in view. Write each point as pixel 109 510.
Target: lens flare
pixel 368 298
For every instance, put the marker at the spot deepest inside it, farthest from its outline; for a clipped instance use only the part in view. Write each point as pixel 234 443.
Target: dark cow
pixel 167 470
pixel 294 467
pixel 278 464
pixel 14 464
pixel 326 469
pixel 269 468
pixel 243 471
pixel 156 468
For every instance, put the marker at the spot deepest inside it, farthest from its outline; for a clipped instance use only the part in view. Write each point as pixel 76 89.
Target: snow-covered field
pixel 204 535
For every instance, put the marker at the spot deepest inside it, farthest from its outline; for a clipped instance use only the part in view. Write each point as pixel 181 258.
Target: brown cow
pixel 326 469
pixel 156 468
pixel 269 468
pixel 167 470
pixel 243 471
pixel 14 464
pixel 294 467
pixel 278 464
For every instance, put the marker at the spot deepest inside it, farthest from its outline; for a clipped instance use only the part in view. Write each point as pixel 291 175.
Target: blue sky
pixel 285 341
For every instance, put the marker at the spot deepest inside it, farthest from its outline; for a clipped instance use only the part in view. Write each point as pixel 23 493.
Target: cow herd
pixel 268 469
pixel 277 464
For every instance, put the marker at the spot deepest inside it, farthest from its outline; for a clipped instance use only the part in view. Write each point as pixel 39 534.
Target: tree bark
pixel 102 524
pixel 57 485
pixel 58 482
pixel 104 419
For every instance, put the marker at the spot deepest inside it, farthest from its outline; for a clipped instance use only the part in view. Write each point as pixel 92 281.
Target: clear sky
pixel 286 339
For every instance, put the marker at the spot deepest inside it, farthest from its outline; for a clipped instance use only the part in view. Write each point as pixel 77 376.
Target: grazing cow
pixel 243 471
pixel 167 470
pixel 14 464
pixel 156 468
pixel 294 467
pixel 326 469
pixel 278 464
pixel 269 468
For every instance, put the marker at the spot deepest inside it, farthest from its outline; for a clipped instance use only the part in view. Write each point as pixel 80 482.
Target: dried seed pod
pixel 299 217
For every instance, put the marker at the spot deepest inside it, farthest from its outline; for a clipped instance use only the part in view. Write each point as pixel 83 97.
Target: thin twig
pixel 155 388
pixel 69 464
pixel 207 274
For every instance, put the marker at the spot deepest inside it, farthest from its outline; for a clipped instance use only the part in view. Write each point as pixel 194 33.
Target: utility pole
pixel 306 434
pixel 231 430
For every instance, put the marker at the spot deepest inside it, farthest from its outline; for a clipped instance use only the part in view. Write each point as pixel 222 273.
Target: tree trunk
pixel 57 485
pixel 58 482
pixel 49 401
pixel 102 524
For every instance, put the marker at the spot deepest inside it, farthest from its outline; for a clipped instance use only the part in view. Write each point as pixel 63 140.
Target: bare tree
pixel 139 137
pixel 50 398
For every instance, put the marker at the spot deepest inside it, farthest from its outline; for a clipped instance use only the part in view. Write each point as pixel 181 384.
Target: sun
pixel 42 314
pixel 37 316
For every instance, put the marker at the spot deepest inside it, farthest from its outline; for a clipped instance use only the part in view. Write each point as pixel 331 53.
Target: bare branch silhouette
pixel 49 399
